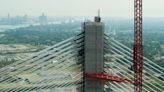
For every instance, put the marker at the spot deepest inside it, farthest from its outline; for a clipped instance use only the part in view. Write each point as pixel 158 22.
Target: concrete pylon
pixel 93 53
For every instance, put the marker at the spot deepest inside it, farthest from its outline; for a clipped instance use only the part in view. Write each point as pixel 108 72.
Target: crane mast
pixel 138 47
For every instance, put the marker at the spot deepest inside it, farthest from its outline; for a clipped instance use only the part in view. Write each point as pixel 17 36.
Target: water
pixel 6 27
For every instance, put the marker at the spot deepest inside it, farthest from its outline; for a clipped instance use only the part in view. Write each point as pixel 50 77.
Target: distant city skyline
pixel 114 8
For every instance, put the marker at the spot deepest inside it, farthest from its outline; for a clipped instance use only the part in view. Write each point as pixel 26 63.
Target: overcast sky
pixel 124 8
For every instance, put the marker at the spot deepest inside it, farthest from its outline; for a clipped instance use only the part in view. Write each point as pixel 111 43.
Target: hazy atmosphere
pixel 71 46
pixel 123 8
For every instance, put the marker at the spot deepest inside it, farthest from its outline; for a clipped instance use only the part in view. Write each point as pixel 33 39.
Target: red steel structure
pixel 108 77
pixel 138 47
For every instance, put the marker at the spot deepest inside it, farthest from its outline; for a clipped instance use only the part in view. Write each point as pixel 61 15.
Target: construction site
pixel 91 61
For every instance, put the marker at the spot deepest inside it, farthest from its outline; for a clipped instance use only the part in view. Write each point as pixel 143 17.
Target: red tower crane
pixel 138 47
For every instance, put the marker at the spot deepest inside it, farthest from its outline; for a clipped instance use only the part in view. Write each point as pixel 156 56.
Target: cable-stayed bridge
pixel 62 68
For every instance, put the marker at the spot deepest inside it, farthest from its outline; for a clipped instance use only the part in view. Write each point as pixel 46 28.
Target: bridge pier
pixel 93 52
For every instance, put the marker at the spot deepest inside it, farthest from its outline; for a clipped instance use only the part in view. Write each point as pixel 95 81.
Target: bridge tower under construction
pixel 93 53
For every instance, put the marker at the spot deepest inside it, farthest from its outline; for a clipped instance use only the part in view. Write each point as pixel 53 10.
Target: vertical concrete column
pixel 93 50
